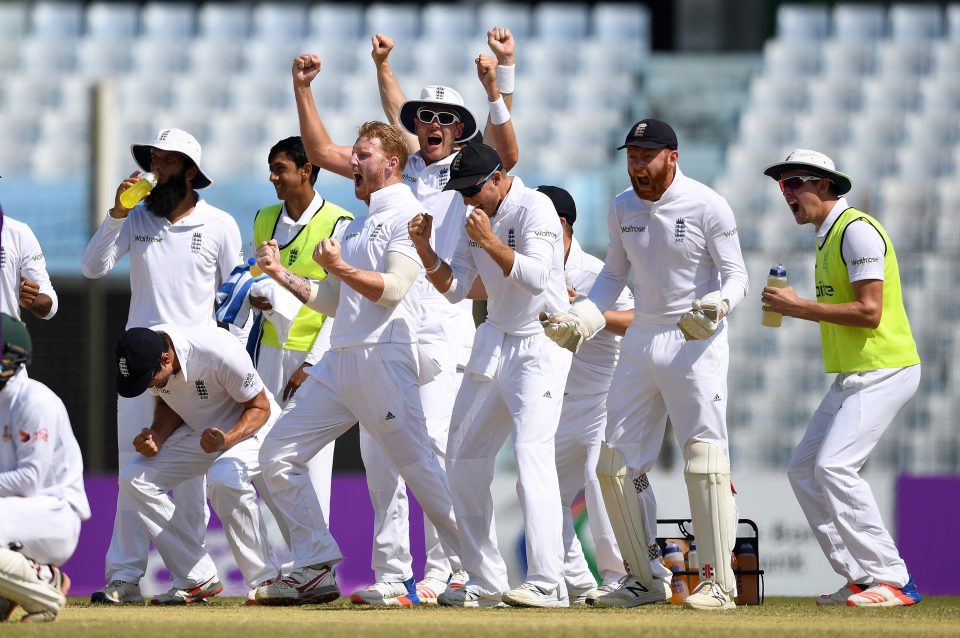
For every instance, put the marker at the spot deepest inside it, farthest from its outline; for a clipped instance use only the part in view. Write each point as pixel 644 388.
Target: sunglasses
pixel 470 191
pixel 443 118
pixel 795 182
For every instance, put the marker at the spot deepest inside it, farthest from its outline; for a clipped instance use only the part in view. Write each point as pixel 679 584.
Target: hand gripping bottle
pixel 132 196
pixel 748 584
pixel 693 565
pixel 777 279
pixel 673 559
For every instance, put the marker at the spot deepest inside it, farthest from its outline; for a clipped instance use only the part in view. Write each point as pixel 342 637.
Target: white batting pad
pixel 707 474
pixel 20 583
pixel 625 513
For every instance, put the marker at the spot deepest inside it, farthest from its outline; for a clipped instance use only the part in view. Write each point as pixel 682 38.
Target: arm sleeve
pixel 33 266
pixel 325 295
pixel 533 258
pixel 33 420
pixel 864 251
pixel 401 272
pixel 238 376
pixel 464 272
pixel 616 268
pixel 322 343
pixel 106 247
pixel 723 245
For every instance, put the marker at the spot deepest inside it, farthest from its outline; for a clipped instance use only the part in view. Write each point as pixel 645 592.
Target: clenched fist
pixel 487 72
pixel 420 229
pixel 213 440
pixel 305 68
pixel 382 46
pixel 501 43
pixel 268 258
pixel 327 253
pixel 145 443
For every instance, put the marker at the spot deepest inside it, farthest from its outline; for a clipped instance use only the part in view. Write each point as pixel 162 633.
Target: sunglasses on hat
pixel 470 191
pixel 443 118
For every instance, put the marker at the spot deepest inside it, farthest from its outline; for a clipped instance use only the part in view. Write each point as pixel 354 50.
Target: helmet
pixel 17 346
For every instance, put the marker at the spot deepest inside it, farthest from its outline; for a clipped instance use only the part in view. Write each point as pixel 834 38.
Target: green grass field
pixel 228 618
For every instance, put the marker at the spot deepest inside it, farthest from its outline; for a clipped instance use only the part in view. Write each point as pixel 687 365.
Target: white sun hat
pixel 172 139
pixel 815 163
pixel 442 96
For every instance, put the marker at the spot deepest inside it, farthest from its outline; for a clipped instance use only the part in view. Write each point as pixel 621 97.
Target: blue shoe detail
pixel 910 591
pixel 411 585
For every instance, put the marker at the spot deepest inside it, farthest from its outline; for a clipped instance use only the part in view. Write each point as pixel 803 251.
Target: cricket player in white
pixel 515 376
pixel 42 500
pixel 436 123
pixel 867 341
pixel 180 248
pixel 211 413
pixel 583 419
pixel 371 373
pixel 24 281
pixel 680 240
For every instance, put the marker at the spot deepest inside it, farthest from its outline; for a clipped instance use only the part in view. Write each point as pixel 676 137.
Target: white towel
pixel 485 358
pixel 285 306
pixel 233 296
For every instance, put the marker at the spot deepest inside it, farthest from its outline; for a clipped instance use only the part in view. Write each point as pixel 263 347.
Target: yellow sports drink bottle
pixel 777 279
pixel 132 196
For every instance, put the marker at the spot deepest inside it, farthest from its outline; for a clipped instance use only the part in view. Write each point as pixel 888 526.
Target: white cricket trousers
pixel 130 544
pixel 660 374
pixel 391 560
pixel 144 483
pixel 275 366
pixel 523 401
pixel 825 473
pixel 46 526
pixel 583 422
pixel 378 386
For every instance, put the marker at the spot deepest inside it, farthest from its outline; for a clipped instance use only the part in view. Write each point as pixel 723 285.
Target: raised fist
pixel 501 43
pixel 305 68
pixel 382 46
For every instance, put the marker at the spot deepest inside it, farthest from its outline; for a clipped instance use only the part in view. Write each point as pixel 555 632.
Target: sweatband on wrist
pixel 498 112
pixel 434 268
pixel 505 77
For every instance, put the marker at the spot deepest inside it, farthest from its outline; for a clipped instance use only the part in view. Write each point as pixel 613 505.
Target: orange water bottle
pixel 748 580
pixel 673 559
pixel 693 566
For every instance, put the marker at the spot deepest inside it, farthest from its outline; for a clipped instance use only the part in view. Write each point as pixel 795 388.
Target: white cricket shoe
pixel 429 589
pixel 708 595
pixel 607 588
pixel 118 592
pixel 458 579
pixel 530 595
pixel 191 595
pixel 883 595
pixel 310 585
pixel 840 596
pixel 387 594
pixel 631 592
pixel 468 596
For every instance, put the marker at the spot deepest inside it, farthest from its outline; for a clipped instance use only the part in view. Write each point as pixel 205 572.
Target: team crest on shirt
pixel 7 437
pixel 3 257
pixel 292 256
pixel 680 230
pixel 24 437
pixel 202 390
pixel 443 177
pixel 196 243
pixel 248 380
pixel 512 238
pixel 375 232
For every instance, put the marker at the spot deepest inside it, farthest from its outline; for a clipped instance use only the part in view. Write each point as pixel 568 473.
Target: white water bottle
pixel 776 279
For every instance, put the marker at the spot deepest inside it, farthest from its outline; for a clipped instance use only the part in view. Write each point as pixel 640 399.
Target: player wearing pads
pixel 680 239
pixel 372 372
pixel 24 281
pixel 583 419
pixel 211 413
pixel 42 501
pixel 436 124
pixel 867 341
pixel 514 379
pixel 180 249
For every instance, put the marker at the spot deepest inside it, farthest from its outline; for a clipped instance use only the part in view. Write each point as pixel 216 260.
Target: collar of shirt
pixel 389 197
pixel 418 164
pixel 828 223
pixel 576 254
pixel 197 217
pixel 308 214
pixel 674 190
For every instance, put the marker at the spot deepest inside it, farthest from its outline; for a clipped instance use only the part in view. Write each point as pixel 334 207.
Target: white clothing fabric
pixel 862 247
pixel 42 499
pixel 825 473
pixel 21 256
pixel 287 228
pixel 284 306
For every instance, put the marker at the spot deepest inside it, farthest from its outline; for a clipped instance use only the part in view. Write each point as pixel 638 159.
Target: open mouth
pixel 435 140
pixel 794 207
pixel 357 179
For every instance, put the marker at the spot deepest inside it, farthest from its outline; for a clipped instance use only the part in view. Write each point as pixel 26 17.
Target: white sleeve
pixel 230 253
pixel 238 376
pixel 864 251
pixel 33 266
pixel 533 257
pixel 322 343
pixel 106 247
pixel 616 267
pixel 464 271
pixel 35 421
pixel 723 245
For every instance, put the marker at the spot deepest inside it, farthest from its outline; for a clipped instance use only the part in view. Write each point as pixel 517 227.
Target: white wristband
pixel 434 268
pixel 505 78
pixel 498 112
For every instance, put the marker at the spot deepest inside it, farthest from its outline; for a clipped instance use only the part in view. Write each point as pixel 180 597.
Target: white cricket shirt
pixel 680 248
pixel 175 269
pixel 527 222
pixel 38 452
pixel 21 255
pixel 216 378
pixel 862 246
pixel 592 368
pixel 366 242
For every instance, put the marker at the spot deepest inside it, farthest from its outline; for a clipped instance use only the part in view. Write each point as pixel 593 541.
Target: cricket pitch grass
pixel 228 618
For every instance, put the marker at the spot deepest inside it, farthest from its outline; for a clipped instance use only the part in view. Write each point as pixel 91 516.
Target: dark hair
pixel 293 147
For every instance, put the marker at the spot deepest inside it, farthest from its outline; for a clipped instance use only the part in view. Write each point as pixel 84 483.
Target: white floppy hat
pixel 172 139
pixel 443 96
pixel 813 162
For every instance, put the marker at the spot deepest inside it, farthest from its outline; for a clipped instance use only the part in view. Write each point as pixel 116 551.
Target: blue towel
pixel 233 296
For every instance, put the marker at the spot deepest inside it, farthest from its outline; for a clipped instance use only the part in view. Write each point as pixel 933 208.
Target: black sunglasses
pixel 470 191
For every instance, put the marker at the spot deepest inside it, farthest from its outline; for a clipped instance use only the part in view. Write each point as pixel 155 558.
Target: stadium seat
pixel 151 57
pixel 802 23
pixel 953 22
pixel 515 17
pixel 890 94
pixel 57 159
pixel 760 127
pixel 904 58
pixel 14 20
pixel 777 94
pixel 910 22
pixel 821 133
pixel 337 59
pixel 849 58
pixel 193 120
pixel 859 22
pixel 945 58
pixel 336 22
pixel 568 23
pixel 25 91
pixel 626 25
pixel 140 93
pixel 544 58
pixel 270 56
pixel 448 22
pixel 451 62
pixel 901 208
pixel 259 93
pixel 403 58
pixel 112 20
pixel 57 126
pixel 168 20
pixel 36 53
pixel 279 22
pixel 612 57
pixel 400 21
pixel 928 130
pixel 835 93
pixel 940 94
pixel 198 92
pixel 104 59
pixel 20 128
pixel 56 20
pixel 223 21
pixel 788 59
pixel 207 56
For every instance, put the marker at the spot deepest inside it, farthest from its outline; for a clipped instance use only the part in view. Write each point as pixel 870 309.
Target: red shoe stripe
pixel 404 601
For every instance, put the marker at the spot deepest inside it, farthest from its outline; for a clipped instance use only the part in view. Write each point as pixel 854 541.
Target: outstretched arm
pixel 499 132
pixel 320 148
pixel 391 95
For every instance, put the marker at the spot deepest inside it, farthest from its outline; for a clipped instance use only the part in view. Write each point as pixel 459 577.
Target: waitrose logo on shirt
pixel 147 239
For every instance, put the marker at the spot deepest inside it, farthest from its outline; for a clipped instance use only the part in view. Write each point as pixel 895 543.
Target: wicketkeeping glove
pixel 570 329
pixel 702 320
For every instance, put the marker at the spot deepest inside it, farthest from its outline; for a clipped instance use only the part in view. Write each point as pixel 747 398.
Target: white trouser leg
pixel 390 555
pixel 46 526
pixel 126 558
pixel 838 503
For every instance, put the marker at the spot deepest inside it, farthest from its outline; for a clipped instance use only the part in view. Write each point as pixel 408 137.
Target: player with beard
pixel 679 237
pixel 180 249
pixel 436 125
